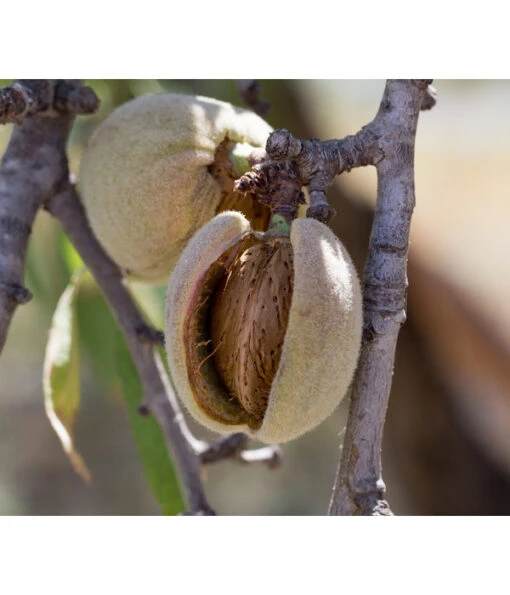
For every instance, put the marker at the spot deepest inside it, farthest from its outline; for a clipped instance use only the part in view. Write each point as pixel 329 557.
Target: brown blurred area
pixel 447 437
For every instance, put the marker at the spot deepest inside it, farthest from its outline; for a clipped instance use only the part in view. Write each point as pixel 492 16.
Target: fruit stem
pixel 279 225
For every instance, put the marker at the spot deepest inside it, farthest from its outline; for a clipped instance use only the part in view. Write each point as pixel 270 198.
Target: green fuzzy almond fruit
pixel 149 176
pixel 263 330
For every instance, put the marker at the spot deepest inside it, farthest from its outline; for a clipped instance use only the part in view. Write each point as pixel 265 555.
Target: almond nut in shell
pixel 263 330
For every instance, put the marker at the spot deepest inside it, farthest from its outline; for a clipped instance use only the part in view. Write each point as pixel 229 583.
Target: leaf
pixel 69 255
pixel 149 438
pixel 98 336
pixel 151 300
pixel 61 374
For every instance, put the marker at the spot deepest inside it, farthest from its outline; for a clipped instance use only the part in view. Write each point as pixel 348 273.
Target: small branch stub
pixel 275 185
pixel 73 99
pixel 17 293
pixel 234 447
pixel 45 98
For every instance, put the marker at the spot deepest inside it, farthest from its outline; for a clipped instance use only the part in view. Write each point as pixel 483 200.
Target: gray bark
pixel 359 488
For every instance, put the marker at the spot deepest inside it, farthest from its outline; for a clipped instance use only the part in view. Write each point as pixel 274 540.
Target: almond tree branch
pixel 359 488
pixel 319 162
pixel 388 143
pixel 30 171
pixel 158 394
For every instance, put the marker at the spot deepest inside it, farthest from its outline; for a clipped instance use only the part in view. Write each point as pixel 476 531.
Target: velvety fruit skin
pixel 321 342
pixel 144 176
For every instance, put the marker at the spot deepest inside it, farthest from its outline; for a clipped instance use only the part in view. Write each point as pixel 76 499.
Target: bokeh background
pixel 447 438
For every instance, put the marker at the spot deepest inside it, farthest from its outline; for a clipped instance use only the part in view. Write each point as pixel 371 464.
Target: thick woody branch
pixel 31 169
pixel 388 143
pixel 359 488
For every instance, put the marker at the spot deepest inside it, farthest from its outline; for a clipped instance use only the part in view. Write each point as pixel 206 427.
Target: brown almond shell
pixel 322 339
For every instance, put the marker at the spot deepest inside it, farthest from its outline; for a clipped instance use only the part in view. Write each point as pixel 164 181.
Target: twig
pixel 317 163
pixel 249 89
pixel 359 488
pixel 271 456
pixel 233 447
pixel 224 448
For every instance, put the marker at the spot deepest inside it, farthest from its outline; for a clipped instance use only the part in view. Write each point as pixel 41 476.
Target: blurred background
pixel 447 437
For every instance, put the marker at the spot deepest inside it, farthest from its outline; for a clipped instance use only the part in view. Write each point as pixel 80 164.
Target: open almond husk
pixel 263 330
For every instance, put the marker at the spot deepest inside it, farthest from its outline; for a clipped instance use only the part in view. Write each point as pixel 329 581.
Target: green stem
pixel 279 225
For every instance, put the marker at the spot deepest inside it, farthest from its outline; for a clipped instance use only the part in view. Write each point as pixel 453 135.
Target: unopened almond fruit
pixel 157 169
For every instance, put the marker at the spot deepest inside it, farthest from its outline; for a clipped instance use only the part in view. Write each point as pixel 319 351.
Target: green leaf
pixel 61 374
pixel 149 439
pixel 98 336
pixel 71 258
pixel 151 300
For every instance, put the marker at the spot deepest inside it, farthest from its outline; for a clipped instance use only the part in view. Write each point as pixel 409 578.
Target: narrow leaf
pixel 149 439
pixel 97 329
pixel 61 374
pixel 68 252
